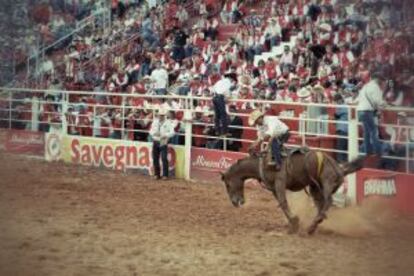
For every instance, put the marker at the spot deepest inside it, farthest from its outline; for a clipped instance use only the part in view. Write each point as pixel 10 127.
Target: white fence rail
pixel 78 113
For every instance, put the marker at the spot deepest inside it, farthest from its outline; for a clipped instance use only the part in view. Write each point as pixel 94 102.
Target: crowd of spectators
pixel 171 49
pixel 29 26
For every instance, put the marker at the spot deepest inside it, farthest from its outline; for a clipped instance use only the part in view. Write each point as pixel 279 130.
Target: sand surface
pixel 59 219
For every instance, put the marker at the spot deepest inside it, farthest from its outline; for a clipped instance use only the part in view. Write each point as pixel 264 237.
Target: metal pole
pixel 352 153
pixel 188 118
pixel 93 120
pixel 64 110
pixel 123 118
pixel 28 68
pixel 407 150
pixel 35 113
pixel 10 109
pixel 187 145
pixel 14 65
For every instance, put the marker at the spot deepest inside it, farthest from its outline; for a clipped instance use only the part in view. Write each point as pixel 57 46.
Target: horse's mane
pixel 239 162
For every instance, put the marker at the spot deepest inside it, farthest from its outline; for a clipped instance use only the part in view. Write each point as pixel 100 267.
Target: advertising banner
pixel 25 142
pixel 206 164
pixel 396 188
pixel 112 154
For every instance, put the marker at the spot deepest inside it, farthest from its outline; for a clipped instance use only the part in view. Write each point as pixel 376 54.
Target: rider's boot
pixel 277 167
pixel 272 164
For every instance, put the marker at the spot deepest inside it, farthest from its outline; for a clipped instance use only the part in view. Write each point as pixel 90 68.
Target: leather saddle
pixel 287 153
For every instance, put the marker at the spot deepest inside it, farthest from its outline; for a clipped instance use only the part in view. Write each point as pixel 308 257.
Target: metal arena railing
pixel 77 113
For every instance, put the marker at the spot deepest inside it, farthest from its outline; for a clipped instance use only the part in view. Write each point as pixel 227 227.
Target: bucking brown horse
pixel 313 169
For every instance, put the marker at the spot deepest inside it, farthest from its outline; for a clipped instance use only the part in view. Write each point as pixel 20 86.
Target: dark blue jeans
pixel 157 151
pixel 221 120
pixel 161 91
pixel 178 53
pixel 249 54
pixel 116 134
pixel 372 143
pixel 342 144
pixel 144 70
pixel 276 146
pixel 183 90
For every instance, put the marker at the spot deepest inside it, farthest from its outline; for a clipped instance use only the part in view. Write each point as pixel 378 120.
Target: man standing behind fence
pixel 370 101
pixel 161 131
pixel 221 92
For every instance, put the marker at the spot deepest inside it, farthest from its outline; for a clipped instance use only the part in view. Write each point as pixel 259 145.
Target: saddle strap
pixel 320 159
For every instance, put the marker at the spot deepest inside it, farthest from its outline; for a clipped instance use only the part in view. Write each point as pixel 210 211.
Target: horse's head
pixel 235 188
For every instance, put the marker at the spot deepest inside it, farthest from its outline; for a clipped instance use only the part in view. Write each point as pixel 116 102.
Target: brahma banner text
pixel 395 188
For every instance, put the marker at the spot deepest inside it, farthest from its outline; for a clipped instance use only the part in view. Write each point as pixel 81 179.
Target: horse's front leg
pixel 279 192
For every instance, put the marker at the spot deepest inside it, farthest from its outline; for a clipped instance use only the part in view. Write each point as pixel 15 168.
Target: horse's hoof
pixel 311 230
pixel 292 231
pixel 294 225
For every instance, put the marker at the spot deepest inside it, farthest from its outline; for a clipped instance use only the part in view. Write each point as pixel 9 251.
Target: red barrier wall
pixel 396 188
pixel 25 142
pixel 206 164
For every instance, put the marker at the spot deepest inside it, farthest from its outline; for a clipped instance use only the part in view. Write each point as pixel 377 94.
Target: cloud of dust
pixel 374 216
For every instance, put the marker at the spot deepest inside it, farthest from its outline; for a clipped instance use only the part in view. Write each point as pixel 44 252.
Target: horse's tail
pixel 353 166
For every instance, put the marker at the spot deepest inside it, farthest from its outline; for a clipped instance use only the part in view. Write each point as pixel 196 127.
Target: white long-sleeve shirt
pixel 152 3
pixel 370 97
pixel 160 78
pixel 222 87
pixel 161 130
pixel 273 30
pixel 184 77
pixel 272 127
pixel 286 58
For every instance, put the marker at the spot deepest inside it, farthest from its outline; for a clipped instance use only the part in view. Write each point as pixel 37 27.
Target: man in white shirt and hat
pixel 370 101
pixel 272 130
pixel 161 131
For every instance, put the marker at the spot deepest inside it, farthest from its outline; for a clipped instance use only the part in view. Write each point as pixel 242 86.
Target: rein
pixel 261 169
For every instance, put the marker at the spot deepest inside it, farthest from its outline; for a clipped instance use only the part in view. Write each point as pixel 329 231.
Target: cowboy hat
pixel 254 116
pixel 326 27
pixel 162 112
pixel 304 93
pixel 207 113
pixel 318 88
pixel 294 77
pixel 198 109
pixel 146 78
pixel 245 80
pixel 398 34
pixel 378 75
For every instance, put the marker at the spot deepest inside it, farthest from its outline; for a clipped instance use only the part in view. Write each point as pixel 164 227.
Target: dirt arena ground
pixel 58 219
